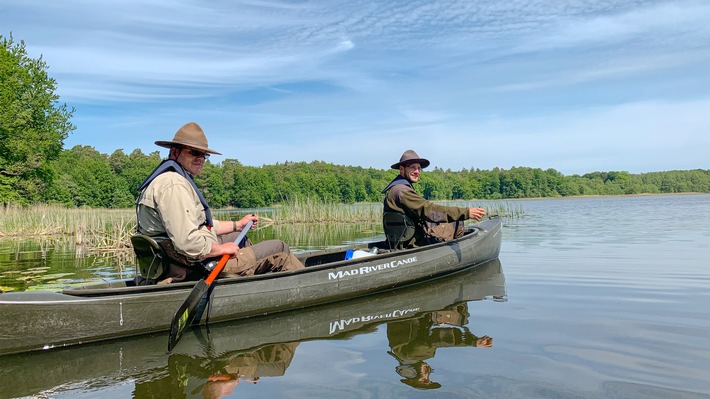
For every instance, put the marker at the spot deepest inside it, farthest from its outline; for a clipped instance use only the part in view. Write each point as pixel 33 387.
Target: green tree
pixel 33 125
pixel 86 179
pixel 133 168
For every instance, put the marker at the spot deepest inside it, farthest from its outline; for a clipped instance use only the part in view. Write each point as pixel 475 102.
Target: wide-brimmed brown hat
pixel 189 135
pixel 408 157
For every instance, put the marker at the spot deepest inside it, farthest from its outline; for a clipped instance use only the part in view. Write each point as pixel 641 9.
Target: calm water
pixel 592 298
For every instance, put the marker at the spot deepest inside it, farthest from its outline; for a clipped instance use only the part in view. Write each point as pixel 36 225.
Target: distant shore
pixel 599 196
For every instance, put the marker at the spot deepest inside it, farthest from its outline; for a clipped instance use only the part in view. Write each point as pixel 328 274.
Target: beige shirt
pixel 170 207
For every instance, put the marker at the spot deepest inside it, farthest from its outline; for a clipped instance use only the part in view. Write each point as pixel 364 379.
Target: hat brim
pixel 421 161
pixel 170 144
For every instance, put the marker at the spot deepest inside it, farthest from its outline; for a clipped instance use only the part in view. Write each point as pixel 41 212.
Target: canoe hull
pixel 44 320
pixel 144 358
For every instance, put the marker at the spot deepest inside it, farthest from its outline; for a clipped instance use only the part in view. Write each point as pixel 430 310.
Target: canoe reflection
pixel 211 362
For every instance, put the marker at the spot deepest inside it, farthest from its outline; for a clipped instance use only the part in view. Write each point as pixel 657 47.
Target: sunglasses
pixel 198 154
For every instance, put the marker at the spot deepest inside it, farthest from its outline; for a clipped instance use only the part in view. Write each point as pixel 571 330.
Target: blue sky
pixel 578 86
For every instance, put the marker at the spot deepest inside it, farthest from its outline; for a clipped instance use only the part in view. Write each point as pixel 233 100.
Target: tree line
pixel 34 168
pixel 85 177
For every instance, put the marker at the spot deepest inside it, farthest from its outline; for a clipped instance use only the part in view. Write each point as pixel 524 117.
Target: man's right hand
pixel 476 213
pixel 228 248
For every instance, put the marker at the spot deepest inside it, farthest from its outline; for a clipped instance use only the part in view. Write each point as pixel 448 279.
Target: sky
pixel 577 86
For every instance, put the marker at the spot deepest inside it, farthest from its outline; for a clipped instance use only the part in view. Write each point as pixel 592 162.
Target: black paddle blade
pixel 186 313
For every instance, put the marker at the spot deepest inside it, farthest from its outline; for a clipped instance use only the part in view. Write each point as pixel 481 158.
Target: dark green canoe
pixel 140 360
pixel 45 320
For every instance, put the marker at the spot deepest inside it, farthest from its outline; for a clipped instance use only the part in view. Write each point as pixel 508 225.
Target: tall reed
pixel 311 210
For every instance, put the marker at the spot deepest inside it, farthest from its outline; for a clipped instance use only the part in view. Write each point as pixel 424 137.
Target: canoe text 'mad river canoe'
pixel 44 320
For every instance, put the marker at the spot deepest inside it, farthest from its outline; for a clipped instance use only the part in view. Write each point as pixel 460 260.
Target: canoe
pixel 144 361
pixel 46 320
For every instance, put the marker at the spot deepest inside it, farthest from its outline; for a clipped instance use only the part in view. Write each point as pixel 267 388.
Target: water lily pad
pixel 66 281
pixel 30 271
pixel 55 276
pixel 84 283
pixel 40 268
pixel 54 287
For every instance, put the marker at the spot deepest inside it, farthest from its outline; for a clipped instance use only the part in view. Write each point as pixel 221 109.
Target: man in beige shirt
pixel 171 206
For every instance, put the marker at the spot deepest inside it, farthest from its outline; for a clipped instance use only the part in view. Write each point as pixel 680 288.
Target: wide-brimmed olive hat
pixel 408 157
pixel 189 135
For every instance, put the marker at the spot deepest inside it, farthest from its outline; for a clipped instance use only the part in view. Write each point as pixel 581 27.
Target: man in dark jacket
pixel 433 222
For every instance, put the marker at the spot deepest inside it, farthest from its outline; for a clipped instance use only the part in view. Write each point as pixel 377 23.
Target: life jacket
pixel 169 165
pixel 397 180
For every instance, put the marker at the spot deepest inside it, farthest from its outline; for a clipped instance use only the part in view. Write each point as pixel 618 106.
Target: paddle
pixel 186 312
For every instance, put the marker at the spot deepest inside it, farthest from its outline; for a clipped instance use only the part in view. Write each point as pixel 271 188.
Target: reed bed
pixel 106 230
pixel 315 211
pixel 100 229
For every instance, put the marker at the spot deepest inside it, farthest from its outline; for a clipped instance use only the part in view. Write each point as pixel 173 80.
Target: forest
pixel 36 169
pixel 82 176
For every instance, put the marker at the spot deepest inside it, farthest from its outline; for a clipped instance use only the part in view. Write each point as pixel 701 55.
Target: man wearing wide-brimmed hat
pixel 432 222
pixel 173 210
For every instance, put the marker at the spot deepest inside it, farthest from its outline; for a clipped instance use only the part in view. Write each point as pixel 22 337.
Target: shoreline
pixel 596 196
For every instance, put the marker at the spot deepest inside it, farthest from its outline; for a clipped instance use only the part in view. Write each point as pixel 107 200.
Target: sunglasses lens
pixel 199 154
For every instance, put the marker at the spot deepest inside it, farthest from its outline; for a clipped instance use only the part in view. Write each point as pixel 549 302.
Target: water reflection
pixel 210 362
pixel 414 341
pixel 54 263
pixel 215 377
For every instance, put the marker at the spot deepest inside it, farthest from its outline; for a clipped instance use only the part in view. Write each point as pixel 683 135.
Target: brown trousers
pixel 445 231
pixel 264 257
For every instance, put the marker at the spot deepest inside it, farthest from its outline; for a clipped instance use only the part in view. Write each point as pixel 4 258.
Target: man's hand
pixel 228 248
pixel 476 213
pixel 243 221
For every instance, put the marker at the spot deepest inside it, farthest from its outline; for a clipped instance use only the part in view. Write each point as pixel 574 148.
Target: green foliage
pixel 33 125
pixel 133 168
pixel 87 179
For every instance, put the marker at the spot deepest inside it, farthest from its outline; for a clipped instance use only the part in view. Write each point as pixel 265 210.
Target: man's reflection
pixel 413 341
pixel 212 378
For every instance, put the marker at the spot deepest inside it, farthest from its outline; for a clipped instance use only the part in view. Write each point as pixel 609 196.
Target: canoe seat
pixel 152 258
pixel 399 229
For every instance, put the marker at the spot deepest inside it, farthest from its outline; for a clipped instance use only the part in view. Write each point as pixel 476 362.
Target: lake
pixel 591 298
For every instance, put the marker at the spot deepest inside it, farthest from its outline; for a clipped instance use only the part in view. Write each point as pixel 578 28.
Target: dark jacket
pixel 402 198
